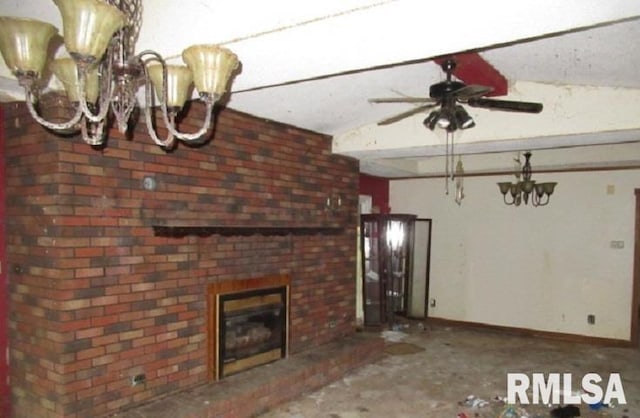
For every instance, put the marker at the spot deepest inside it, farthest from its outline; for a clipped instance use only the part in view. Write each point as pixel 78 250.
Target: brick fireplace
pixel 108 279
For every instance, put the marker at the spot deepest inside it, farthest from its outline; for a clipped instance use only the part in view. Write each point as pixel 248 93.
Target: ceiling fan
pixel 449 95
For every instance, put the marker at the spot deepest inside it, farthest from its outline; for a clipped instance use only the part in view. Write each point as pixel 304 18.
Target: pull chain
pixel 446 165
pixel 449 164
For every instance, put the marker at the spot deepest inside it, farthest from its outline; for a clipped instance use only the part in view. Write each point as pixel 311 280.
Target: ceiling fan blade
pixel 406 114
pixel 506 105
pixel 472 90
pixel 401 100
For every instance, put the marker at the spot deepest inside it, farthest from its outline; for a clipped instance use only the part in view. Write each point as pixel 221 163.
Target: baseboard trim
pixel 527 332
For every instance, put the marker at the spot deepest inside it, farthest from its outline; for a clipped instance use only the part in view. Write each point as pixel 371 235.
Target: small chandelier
pixel 104 73
pixel 520 191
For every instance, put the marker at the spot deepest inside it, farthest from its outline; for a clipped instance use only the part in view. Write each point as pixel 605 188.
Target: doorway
pixel 419 280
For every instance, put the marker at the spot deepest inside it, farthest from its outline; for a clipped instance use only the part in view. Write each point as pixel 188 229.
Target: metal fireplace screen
pixel 251 329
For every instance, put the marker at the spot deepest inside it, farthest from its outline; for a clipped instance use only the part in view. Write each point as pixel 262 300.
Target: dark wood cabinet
pixel 386 254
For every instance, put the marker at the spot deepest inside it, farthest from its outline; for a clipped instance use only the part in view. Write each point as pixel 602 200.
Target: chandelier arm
pixel 147 80
pixel 166 143
pixel 206 125
pixel 170 124
pixel 539 200
pixel 535 200
pixel 97 137
pixel 105 80
pixel 169 119
pixel 50 125
pixel 504 197
pixel 104 99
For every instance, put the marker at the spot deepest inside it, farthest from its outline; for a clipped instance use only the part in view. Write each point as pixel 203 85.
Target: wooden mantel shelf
pixel 241 230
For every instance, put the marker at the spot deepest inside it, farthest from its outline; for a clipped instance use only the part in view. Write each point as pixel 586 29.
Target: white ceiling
pixel 315 64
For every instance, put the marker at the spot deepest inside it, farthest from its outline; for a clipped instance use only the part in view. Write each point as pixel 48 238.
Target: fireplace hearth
pixel 248 324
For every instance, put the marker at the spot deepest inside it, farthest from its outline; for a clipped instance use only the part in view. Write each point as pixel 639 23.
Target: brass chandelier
pixel 104 74
pixel 521 190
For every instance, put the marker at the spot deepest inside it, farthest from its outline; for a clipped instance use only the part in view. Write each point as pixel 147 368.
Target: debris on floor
pixel 511 411
pixel 393 336
pixel 462 373
pixel 474 402
pixel 569 411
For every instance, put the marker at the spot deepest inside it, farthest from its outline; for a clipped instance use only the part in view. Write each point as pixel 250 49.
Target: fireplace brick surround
pixel 97 296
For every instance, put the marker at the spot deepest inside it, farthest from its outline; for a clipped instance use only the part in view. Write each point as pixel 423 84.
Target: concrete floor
pixel 446 369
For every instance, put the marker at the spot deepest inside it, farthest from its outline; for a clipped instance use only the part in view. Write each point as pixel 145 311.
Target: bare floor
pixel 455 372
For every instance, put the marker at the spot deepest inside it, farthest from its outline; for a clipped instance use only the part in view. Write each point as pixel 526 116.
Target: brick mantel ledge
pixel 242 230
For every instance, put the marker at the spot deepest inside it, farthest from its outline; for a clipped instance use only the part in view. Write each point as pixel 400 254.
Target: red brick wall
pixel 96 297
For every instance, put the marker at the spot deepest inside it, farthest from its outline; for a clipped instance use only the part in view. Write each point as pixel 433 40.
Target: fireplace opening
pixel 248 324
pixel 252 330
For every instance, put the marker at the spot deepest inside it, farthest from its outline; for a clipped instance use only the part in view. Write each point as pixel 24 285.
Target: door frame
pixel 635 300
pixel 427 266
pixel 428 278
pixel 5 398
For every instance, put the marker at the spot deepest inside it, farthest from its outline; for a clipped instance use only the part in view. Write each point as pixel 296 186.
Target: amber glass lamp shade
pixel 212 67
pixel 179 79
pixel 504 186
pixel 24 44
pixel 545 188
pixel 88 27
pixel 527 185
pixel 65 70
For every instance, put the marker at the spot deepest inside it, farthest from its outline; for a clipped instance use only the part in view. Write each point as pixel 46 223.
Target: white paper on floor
pixel 393 336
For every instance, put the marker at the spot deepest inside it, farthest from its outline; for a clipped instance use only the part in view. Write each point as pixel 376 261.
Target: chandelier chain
pixel 133 11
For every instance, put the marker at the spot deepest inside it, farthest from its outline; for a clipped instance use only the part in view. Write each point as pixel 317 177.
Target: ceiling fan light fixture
pixel 446 118
pixel 431 120
pixel 463 120
pixel 444 122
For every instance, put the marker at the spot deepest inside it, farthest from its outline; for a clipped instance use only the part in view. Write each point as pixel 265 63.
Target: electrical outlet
pixel 138 379
pixel 432 303
pixel 591 319
pixel 617 244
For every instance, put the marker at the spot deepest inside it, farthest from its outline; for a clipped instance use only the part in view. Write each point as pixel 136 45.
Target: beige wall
pixel 543 268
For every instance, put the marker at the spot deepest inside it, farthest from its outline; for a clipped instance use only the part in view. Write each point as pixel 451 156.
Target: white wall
pixel 543 268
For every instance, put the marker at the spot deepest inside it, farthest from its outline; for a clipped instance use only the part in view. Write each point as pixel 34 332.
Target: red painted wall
pixel 378 189
pixel 4 294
